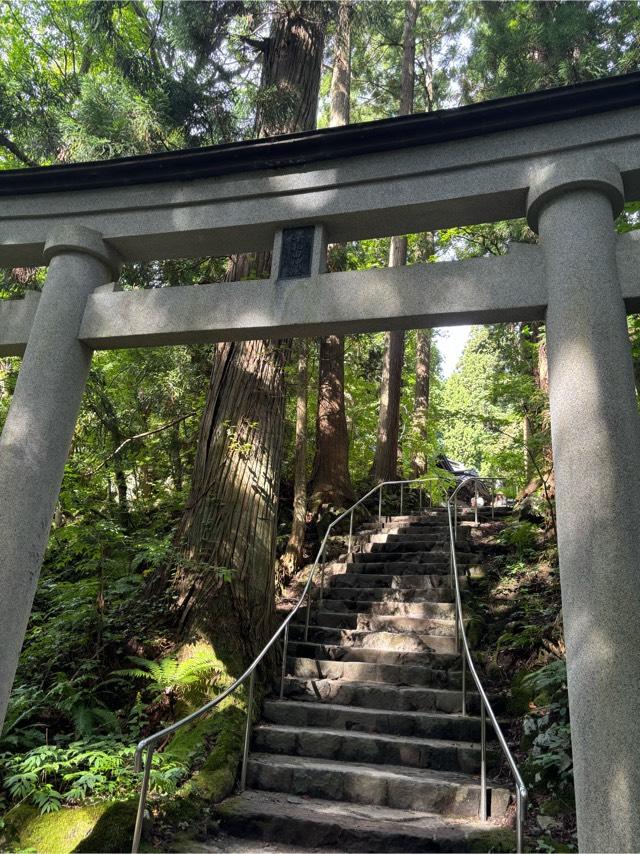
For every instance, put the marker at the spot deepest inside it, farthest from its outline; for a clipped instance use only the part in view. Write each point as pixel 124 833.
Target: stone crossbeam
pixel 479 290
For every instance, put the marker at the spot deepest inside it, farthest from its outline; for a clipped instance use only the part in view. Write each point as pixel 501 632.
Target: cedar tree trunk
pixel 229 525
pixel 331 481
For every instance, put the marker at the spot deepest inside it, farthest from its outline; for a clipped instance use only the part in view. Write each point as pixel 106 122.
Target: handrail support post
pixel 306 621
pixel 483 761
pixel 321 596
pixel 285 648
pixel 247 732
pixel 464 682
pixel 142 803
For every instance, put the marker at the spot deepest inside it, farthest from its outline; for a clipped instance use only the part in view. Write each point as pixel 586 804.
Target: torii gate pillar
pixel 37 434
pixel 596 447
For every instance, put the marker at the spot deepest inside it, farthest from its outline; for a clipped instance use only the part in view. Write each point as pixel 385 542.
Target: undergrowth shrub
pixel 50 776
pixel 547 732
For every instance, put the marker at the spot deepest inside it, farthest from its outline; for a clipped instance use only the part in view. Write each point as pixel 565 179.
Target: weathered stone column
pixel 37 434
pixel 596 446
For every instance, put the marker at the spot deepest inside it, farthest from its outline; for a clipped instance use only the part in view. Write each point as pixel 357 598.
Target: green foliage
pixel 521 536
pixel 547 732
pixel 50 776
pixel 189 677
pixel 98 80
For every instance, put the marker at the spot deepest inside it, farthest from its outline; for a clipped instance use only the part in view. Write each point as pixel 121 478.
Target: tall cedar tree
pixel 385 462
pixel 330 481
pixel 228 529
pixel 423 336
pixel 294 553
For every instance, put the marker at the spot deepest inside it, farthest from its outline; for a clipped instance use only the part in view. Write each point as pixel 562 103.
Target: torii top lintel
pixel 413 173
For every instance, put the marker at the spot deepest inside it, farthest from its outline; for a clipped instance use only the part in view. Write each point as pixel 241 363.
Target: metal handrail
pixel 150 742
pixel 467 662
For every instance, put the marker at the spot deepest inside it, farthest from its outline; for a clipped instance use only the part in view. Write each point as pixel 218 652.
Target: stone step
pixel 376 623
pixel 413 580
pixel 397 567
pixel 377 695
pixel 374 748
pixel 375 639
pixel 438 515
pixel 440 524
pixel 436 545
pixel 376 595
pixel 399 787
pixel 336 826
pixel 336 652
pixel 419 556
pixel 390 608
pixel 417 724
pixel 410 536
pixel 433 523
pixel 364 671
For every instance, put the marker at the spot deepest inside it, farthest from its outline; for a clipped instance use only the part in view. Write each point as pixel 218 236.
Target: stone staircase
pixel 369 750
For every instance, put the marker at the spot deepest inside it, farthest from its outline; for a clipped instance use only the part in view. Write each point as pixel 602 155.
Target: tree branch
pixel 139 436
pixel 257 44
pixel 5 142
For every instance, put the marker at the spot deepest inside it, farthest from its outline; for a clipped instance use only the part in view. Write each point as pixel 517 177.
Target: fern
pixel 49 775
pixel 171 676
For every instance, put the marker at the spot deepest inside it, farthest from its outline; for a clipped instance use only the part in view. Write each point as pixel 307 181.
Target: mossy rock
pixel 494 839
pixel 558 807
pixel 106 826
pixel 219 739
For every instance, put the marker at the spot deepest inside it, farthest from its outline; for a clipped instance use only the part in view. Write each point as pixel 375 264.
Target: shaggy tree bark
pixel 421 402
pixel 226 585
pixel 225 580
pixel 385 463
pixel 331 481
pixel 292 558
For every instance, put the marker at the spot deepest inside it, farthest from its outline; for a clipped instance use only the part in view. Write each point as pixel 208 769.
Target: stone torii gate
pixel 566 158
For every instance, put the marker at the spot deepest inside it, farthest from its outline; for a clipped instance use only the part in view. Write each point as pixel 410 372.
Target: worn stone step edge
pixel 381 581
pixel 378 748
pixel 388 607
pixel 418 724
pixel 444 792
pixel 311 822
pixel 420 557
pixel 388 674
pixel 400 641
pixel 379 622
pixel 374 595
pixel 335 652
pixel 378 695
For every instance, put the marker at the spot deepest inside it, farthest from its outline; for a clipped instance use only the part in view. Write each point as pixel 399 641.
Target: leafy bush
pixel 50 776
pixel 547 732
pixel 521 536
